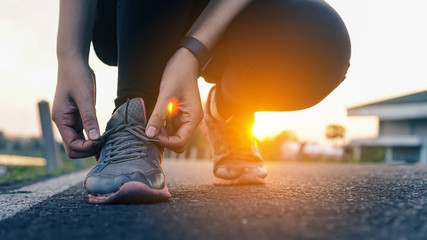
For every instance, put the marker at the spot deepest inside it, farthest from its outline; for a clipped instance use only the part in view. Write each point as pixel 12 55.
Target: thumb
pixel 157 119
pixel 89 120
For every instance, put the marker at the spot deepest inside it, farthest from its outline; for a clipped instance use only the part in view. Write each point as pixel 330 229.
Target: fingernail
pixel 151 131
pixel 93 134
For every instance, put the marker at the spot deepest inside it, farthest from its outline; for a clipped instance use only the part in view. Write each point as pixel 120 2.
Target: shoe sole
pixel 245 179
pixel 133 193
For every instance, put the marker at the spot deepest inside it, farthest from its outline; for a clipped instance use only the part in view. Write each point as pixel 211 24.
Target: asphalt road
pixel 300 201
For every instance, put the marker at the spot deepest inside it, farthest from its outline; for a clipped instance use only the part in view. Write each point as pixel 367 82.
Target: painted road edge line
pixel 25 197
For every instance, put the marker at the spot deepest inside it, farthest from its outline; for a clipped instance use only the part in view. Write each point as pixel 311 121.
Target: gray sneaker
pixel 128 169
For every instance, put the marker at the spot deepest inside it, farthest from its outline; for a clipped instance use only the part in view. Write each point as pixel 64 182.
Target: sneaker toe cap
pixel 232 173
pixel 104 185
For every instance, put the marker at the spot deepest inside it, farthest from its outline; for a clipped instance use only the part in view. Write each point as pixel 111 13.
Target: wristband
pixel 198 49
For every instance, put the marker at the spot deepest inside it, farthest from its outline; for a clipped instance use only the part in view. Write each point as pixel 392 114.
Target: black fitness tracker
pixel 198 49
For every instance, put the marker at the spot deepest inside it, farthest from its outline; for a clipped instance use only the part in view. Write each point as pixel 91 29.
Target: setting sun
pixel 262 130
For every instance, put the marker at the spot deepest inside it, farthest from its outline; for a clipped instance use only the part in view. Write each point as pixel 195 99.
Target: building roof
pixel 419 97
pixel 410 106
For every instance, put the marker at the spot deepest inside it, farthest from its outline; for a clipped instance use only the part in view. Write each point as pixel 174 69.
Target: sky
pixel 389 49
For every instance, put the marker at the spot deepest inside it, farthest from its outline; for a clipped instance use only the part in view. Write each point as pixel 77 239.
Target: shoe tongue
pixel 133 110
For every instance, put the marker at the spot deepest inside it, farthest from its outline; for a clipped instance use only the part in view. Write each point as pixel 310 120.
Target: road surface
pixel 299 201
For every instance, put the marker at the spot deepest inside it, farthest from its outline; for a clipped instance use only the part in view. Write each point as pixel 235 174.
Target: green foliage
pixel 372 154
pixel 22 173
pixel 30 147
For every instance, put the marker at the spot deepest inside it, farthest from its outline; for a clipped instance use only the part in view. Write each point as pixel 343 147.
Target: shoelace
pixel 125 142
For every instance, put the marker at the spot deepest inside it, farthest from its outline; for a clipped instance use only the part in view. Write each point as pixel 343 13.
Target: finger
pixel 78 145
pixel 73 155
pixel 180 140
pixel 157 119
pixel 83 148
pixel 88 115
pixel 75 145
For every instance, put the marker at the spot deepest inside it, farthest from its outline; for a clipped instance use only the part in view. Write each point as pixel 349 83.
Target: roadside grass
pixel 24 173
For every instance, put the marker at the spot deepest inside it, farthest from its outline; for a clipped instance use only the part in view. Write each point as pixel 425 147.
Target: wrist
pixel 188 57
pixel 68 56
pixel 72 60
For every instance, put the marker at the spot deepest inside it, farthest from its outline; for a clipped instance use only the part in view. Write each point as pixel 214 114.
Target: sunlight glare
pixel 172 107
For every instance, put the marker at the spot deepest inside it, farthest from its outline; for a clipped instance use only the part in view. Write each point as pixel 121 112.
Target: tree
pixel 3 140
pixel 335 132
pixel 34 144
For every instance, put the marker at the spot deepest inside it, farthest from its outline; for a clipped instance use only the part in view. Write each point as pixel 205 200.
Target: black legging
pixel 276 55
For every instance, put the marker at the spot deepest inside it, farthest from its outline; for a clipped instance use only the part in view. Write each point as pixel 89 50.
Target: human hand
pixel 74 108
pixel 179 81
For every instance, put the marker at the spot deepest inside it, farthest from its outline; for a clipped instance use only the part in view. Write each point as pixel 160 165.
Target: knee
pixel 273 30
pixel 290 53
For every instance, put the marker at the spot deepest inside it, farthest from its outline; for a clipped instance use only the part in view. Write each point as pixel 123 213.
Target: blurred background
pixel 353 124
